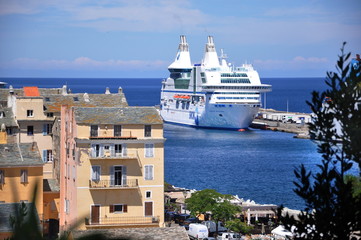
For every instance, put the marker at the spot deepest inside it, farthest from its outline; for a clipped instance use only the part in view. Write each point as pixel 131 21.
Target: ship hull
pixel 221 116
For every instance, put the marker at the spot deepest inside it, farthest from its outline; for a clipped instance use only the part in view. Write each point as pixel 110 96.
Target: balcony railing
pixel 113 184
pixel 112 154
pixel 110 135
pixel 122 221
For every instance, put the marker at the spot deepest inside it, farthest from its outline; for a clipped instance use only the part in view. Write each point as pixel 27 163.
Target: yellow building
pixel 21 169
pixel 118 166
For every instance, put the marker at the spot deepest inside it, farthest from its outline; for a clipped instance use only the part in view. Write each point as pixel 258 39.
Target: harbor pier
pixel 291 122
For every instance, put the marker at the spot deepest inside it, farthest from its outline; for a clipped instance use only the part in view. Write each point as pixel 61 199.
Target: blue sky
pixel 139 38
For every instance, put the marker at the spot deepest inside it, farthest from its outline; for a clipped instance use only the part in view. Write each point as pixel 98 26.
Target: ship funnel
pixel 210 59
pixel 182 59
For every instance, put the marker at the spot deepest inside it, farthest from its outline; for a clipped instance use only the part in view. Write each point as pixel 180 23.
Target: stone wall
pixel 166 233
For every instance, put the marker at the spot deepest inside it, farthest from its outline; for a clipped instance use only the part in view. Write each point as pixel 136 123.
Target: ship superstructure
pixel 212 94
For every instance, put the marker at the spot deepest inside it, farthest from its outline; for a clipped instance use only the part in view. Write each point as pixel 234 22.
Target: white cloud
pixel 82 63
pixel 297 63
pixel 103 15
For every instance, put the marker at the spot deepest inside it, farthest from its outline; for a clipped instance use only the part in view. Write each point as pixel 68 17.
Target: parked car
pixel 179 218
pixel 227 236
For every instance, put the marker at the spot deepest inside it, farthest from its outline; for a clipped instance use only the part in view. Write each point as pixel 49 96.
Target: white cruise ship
pixel 213 94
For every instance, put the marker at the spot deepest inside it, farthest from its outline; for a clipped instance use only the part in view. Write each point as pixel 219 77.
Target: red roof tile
pixel 31 92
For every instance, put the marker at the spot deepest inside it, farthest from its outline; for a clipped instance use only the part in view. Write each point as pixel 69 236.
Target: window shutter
pixel 111 208
pixel 112 150
pixel 150 172
pixel 44 129
pixel 45 154
pixel 111 172
pixel 101 150
pixel 124 175
pixel 146 172
pixel 124 149
pixel 125 208
pixel 147 150
pixel 93 153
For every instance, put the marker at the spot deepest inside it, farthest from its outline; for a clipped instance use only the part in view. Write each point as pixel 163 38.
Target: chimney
pixel 11 89
pixel 86 97
pixel 107 90
pixel 64 91
pixel 120 90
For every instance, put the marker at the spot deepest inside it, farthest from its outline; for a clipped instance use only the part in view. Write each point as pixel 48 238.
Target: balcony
pixel 111 154
pixel 121 221
pixel 110 135
pixel 112 184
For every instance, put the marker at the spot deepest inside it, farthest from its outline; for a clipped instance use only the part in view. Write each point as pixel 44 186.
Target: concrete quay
pixel 290 122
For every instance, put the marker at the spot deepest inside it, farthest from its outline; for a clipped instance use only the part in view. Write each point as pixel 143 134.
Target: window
pixel 47 155
pixel 149 150
pixel 2 177
pixel 76 99
pixel 47 129
pixel 96 150
pixel 47 99
pixel 118 150
pixel 148 172
pixel 29 113
pixel 118 175
pixel 148 194
pixel 118 208
pixel 107 151
pixel 2 114
pixel 9 131
pixel 24 176
pixel 30 130
pixel 117 130
pixel 94 130
pixel 95 173
pixel 147 130
pixel 50 114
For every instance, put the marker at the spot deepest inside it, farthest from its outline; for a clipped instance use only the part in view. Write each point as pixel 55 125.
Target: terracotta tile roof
pixel 31 92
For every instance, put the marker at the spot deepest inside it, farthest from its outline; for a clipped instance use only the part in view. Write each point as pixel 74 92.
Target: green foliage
pixel 356 185
pixel 202 201
pixel 25 223
pixel 236 225
pixel 209 200
pixel 332 204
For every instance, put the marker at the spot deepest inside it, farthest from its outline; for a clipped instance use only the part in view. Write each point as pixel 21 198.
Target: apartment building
pixel 112 170
pixel 21 178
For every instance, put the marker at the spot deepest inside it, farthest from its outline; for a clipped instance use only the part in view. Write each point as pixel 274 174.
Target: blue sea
pixel 255 164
